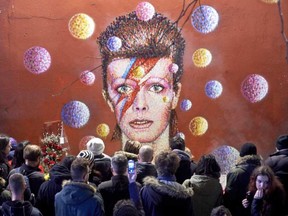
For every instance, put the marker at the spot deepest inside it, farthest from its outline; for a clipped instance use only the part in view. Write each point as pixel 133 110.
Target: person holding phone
pixel 267 192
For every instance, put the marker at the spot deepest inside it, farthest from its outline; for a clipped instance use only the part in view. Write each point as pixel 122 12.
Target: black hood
pixel 18 208
pixel 58 173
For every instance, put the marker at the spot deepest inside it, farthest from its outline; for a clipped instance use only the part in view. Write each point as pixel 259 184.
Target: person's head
pixel 167 163
pixel 132 146
pixel 125 208
pixel 80 169
pixel 119 164
pixel 67 161
pixel 282 142
pixel 208 166
pixel 177 142
pixel 145 154
pixel 138 80
pixel 5 146
pixel 17 184
pixel 18 158
pixel 248 149
pixel 263 178
pixel 96 145
pixel 220 211
pixel 88 155
pixel 32 154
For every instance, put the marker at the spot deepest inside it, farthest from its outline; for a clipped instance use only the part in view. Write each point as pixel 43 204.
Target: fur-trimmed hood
pixel 168 188
pixel 249 159
pixel 76 192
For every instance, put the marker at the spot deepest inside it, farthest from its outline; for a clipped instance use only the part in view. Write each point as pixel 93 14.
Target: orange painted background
pixel 247 41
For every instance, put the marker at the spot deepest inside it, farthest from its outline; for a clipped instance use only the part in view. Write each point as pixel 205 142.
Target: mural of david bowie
pixel 142 63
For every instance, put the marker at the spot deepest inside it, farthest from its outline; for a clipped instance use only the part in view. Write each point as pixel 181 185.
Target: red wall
pixel 247 40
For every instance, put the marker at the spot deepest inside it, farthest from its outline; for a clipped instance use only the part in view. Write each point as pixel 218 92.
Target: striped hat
pixel 87 155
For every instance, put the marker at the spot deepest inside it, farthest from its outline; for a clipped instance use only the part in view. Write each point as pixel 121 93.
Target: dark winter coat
pixel 207 194
pixel 237 184
pixel 101 170
pixel 279 164
pixel 4 170
pixel 36 178
pixel 165 198
pixel 77 199
pixel 114 190
pixel 186 167
pixel 145 169
pixel 19 208
pixel 47 191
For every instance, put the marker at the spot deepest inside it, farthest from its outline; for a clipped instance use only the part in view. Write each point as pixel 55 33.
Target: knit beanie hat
pixel 87 155
pixel 96 145
pixel 125 208
pixel 282 142
pixel 248 149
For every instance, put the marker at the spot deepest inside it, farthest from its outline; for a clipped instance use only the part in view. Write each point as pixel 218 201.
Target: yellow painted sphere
pixel 270 1
pixel 198 126
pixel 102 130
pixel 202 57
pixel 81 26
pixel 138 72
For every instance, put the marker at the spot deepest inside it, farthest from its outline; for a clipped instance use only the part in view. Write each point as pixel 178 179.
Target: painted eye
pixel 156 88
pixel 124 89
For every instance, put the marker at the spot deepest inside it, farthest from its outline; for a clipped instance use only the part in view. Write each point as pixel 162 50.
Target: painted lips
pixel 140 124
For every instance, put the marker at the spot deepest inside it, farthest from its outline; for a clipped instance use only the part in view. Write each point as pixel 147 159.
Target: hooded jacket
pixel 237 183
pixel 145 169
pixel 207 193
pixel 78 199
pixel 165 198
pixel 19 208
pixel 47 191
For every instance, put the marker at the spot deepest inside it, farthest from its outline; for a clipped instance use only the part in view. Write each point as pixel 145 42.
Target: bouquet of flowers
pixel 52 150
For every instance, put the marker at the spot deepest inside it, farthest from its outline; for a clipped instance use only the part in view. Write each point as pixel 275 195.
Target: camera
pixel 131 166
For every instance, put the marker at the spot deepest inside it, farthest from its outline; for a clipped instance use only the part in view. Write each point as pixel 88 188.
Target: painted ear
pixel 176 96
pixel 107 100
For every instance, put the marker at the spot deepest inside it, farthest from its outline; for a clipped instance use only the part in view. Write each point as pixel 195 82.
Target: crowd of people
pixel 168 183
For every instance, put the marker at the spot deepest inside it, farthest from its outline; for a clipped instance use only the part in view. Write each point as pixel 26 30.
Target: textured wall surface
pixel 246 41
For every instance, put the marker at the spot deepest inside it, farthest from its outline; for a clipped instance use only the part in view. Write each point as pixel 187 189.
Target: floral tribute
pixel 52 151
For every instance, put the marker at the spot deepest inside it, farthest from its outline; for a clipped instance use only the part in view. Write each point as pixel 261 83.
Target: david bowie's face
pixel 141 94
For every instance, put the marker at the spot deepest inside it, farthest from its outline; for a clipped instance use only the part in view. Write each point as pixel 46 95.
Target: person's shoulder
pixel 105 184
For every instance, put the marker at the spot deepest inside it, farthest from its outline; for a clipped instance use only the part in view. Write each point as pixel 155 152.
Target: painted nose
pixel 140 103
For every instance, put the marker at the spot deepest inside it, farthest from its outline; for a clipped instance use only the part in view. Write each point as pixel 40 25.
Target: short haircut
pixel 79 168
pixel 132 146
pixel 119 163
pixel 146 153
pixel 125 208
pixel 177 142
pixel 167 163
pixel 220 211
pixel 17 183
pixel 32 152
pixel 208 166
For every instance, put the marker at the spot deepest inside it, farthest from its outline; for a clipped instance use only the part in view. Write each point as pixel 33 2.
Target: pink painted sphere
pixel 145 11
pixel 87 77
pixel 37 60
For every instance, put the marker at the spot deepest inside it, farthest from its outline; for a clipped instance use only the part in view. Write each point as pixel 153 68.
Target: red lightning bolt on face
pixel 147 65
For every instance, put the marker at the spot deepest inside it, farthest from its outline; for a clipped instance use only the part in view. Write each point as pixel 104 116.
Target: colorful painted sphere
pixel 270 1
pixel 202 57
pixel 226 156
pixel 75 114
pixel 173 68
pixel 213 89
pixel 198 126
pixel 114 43
pixel 103 130
pixel 166 99
pixel 145 11
pixel 84 141
pixel 87 77
pixel 37 60
pixel 186 105
pixel 205 19
pixel 81 26
pixel 138 72
pixel 254 88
